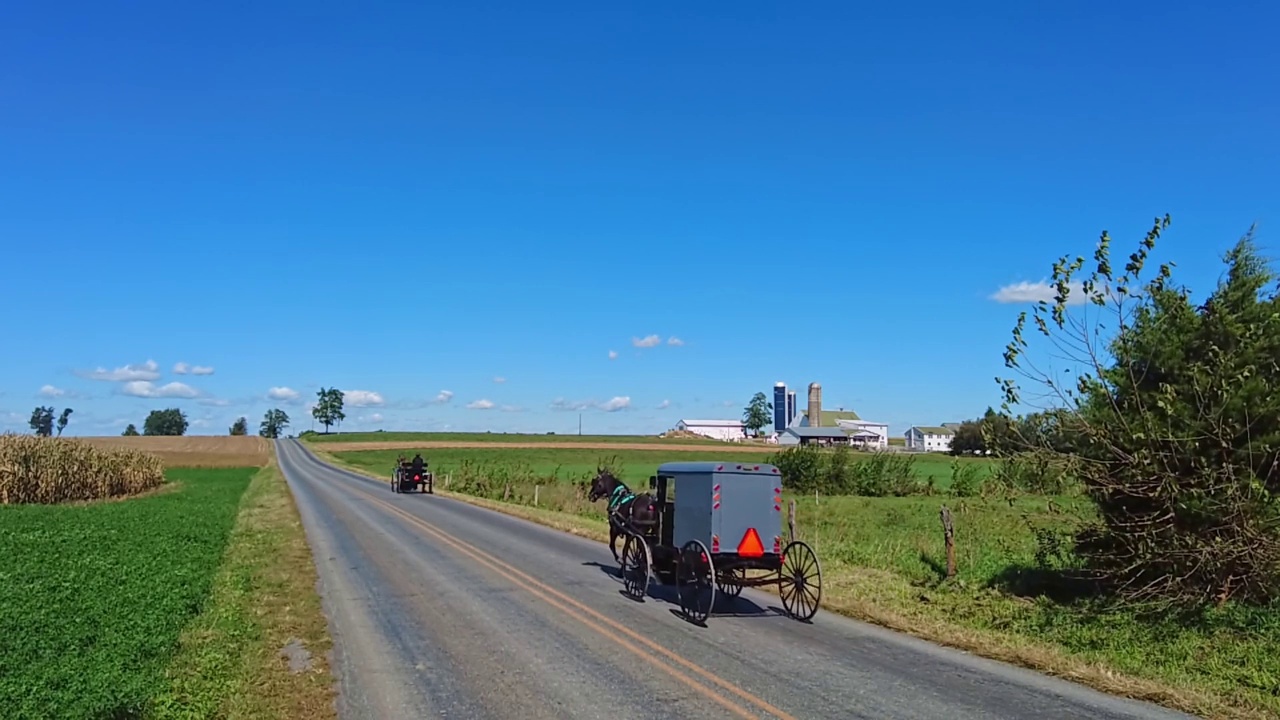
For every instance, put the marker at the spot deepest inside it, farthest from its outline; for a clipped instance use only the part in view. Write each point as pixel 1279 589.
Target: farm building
pixel 929 438
pixel 814 436
pixel 866 433
pixel 718 429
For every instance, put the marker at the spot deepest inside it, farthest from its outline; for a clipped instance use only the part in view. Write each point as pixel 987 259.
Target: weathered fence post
pixel 815 497
pixel 506 493
pixel 535 495
pixel 949 537
pixel 791 519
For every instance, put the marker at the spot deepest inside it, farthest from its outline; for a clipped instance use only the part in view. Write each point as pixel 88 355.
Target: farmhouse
pixel 866 433
pixel 718 429
pixel 929 438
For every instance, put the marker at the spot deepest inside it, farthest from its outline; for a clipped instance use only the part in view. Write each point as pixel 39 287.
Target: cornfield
pixel 55 470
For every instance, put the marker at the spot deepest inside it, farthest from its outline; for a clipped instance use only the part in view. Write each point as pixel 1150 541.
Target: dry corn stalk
pixel 55 470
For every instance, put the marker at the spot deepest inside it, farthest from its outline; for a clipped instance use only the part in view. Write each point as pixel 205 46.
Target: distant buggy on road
pixel 405 479
pixel 725 532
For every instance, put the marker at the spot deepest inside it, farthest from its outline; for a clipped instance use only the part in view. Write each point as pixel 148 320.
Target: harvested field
pixel 724 449
pixel 197 450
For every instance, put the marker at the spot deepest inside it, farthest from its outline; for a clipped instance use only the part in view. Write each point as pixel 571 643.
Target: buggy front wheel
pixel 635 566
pixel 696 581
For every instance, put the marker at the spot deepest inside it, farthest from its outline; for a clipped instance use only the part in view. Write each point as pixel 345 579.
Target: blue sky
pixel 402 199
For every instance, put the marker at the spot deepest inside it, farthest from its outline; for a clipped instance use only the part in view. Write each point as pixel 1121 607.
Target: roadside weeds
pixel 889 600
pixel 260 647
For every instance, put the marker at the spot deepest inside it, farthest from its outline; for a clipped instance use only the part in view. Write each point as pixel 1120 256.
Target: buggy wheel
pixel 730 582
pixel 695 581
pixel 395 483
pixel 800 581
pixel 635 566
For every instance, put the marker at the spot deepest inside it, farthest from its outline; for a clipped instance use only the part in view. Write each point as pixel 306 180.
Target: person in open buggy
pixel 418 465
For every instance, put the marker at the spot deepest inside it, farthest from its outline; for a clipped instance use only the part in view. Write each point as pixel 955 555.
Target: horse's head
pixel 602 485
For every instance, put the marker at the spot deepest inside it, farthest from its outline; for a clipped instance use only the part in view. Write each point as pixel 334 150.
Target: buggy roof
pixel 725 467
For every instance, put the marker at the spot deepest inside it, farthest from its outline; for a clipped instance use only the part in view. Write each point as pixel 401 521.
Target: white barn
pixel 718 429
pixel 866 433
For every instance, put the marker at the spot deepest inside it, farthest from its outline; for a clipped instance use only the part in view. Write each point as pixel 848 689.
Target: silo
pixel 815 405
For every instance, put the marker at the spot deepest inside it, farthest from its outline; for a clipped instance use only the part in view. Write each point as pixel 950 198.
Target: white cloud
pixel 613 354
pixel 615 404
pixel 1027 292
pixel 285 394
pixel 480 404
pixel 499 379
pixel 361 398
pixel 147 371
pixel 185 369
pixel 444 397
pixel 51 391
pixel 664 404
pixel 214 402
pixel 511 408
pixel 646 342
pixel 673 340
pixel 374 418
pixel 148 389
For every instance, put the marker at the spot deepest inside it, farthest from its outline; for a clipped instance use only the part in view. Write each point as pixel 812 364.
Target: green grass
pixel 93 598
pixel 635 465
pixel 884 561
pixel 500 438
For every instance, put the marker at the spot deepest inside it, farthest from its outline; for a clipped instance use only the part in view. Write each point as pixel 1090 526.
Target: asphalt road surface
pixel 443 609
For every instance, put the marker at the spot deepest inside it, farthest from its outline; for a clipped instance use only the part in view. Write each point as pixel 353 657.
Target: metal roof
pixel 727 466
pixel 818 432
pixel 714 423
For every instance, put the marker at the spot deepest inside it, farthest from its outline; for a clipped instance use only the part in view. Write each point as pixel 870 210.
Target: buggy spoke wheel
pixel 635 566
pixel 731 582
pixel 695 581
pixel 800 581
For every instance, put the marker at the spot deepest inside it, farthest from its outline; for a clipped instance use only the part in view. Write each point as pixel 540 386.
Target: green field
pixel 437 437
pixel 93 598
pixel 884 560
pixel 634 466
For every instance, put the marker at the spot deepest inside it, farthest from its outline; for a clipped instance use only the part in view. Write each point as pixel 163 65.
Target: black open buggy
pixel 405 479
pixel 725 533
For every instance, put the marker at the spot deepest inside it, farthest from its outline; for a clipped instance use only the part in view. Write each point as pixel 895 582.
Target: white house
pixel 929 438
pixel 718 429
pixel 866 433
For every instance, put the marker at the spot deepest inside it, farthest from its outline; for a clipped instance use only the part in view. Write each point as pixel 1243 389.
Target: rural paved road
pixel 443 609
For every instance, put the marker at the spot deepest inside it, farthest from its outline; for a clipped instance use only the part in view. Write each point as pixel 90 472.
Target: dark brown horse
pixel 626 508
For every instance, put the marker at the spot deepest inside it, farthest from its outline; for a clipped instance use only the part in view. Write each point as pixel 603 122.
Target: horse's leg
pixel 613 539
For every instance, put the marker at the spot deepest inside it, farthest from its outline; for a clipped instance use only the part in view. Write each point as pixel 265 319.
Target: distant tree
pixel 240 426
pixel 273 423
pixel 968 439
pixel 170 421
pixel 63 419
pixel 42 421
pixel 130 431
pixel 756 415
pixel 328 409
pixel 1170 418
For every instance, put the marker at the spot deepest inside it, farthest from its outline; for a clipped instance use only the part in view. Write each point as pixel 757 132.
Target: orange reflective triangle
pixel 751 545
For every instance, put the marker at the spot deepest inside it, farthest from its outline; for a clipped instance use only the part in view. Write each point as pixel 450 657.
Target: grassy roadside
pixel 260 647
pixel 880 563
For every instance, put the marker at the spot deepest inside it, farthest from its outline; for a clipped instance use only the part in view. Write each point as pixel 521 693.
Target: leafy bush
pixel 834 472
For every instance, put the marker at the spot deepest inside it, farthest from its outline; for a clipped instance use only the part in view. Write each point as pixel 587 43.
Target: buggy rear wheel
pixel 800 581
pixel 635 566
pixel 695 581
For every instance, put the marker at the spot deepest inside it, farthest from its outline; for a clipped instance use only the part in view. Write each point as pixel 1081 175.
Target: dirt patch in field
pixel 196 451
pixel 729 449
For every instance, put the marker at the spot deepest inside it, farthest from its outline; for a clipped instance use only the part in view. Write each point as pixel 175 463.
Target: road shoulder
pixel 260 646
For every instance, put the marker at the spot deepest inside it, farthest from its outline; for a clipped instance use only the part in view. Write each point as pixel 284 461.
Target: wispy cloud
pixel 481 404
pixel 646 342
pixel 444 397
pixel 511 408
pixel 283 394
pixel 664 404
pixel 675 341
pixel 362 398
pixel 52 392
pixel 147 371
pixel 614 404
pixel 148 389
pixel 185 369
pixel 1028 292
pixel 499 380
pixel 613 354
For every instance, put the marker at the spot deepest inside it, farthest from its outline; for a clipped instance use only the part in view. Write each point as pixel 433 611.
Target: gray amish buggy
pixel 724 532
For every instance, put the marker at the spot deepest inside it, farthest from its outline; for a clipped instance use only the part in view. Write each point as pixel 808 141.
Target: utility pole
pixel 579 424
